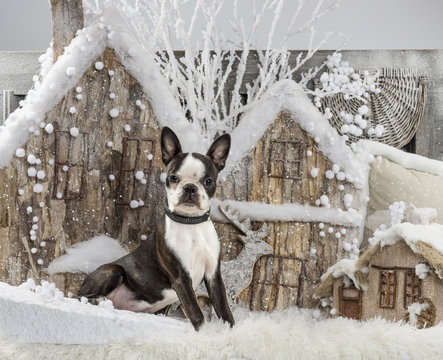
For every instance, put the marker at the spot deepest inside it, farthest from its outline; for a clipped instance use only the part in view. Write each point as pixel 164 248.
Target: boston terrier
pixel 182 252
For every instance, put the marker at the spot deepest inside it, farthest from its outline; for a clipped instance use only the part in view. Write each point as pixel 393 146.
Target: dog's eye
pixel 208 182
pixel 173 179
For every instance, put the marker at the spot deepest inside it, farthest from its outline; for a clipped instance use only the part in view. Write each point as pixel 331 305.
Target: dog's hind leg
pixel 102 281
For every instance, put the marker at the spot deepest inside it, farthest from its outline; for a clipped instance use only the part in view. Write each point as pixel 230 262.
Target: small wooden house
pixel 291 171
pixel 390 276
pixel 88 160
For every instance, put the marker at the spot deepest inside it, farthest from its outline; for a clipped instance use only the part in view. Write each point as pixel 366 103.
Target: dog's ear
pixel 219 150
pixel 170 145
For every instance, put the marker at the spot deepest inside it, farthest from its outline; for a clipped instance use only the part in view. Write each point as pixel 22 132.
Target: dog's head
pixel 191 177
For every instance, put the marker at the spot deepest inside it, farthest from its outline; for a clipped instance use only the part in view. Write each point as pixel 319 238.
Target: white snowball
pixel 40 261
pixel 79 96
pixel 79 89
pixel 324 200
pixel 111 72
pixel 379 129
pixel 322 233
pixel 143 237
pixel 113 113
pixel 143 181
pixel 335 168
pixel 35 219
pixel 72 110
pixel 40 174
pixel 309 153
pixel 343 231
pixel 134 204
pixel 138 102
pixel 111 177
pixel 344 128
pixel 49 128
pixel 74 131
pixel 142 106
pixel 163 177
pixel 321 225
pixel 141 203
pixel 70 71
pixel 314 172
pixel 317 202
pixel 99 65
pixel 41 204
pixel 109 144
pixel 20 152
pixel 139 175
pixel 21 191
pixel 32 171
pixel 330 230
pixel 32 159
pixel 363 110
pixel 371 131
pixel 33 250
pixel 112 95
pixel 65 168
pixel 330 174
pixel 43 243
pixel 127 127
pixel 341 176
pixel 341 187
pixel 59 195
pixel 150 157
pixel 337 235
pixel 38 188
pixel 347 199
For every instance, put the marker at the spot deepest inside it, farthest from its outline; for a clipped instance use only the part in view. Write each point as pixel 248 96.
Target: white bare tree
pixel 208 76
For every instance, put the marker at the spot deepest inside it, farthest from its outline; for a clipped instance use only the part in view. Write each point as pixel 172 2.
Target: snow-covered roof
pixel 287 95
pixel 407 160
pixel 59 78
pixel 424 240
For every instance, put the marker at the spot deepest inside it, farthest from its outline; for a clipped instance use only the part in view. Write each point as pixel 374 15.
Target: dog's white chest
pixel 196 246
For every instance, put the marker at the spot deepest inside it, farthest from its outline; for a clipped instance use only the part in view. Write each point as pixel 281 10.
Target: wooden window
pixel 284 159
pixel 71 164
pixel 134 158
pixel 350 302
pixel 387 290
pixel 412 288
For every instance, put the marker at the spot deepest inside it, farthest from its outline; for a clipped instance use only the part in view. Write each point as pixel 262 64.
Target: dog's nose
pixel 190 189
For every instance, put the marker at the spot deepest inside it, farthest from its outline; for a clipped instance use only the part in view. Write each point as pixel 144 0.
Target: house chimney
pixel 67 18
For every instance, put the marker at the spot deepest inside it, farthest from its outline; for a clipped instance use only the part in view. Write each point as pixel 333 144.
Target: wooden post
pixel 67 18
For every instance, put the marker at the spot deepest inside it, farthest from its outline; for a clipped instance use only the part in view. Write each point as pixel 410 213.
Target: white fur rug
pixel 290 334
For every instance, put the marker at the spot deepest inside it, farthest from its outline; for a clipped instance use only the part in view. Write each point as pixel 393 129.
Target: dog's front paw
pixel 198 322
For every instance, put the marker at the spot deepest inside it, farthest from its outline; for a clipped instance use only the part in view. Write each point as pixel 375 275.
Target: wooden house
pixel 390 276
pixel 291 171
pixel 88 160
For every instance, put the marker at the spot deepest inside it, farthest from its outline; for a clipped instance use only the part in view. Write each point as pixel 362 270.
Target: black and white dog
pixel 183 252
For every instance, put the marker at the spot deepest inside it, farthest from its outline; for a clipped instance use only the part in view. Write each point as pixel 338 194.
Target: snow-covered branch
pixel 209 78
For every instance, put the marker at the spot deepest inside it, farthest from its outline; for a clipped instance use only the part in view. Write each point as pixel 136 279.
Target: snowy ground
pixel 290 334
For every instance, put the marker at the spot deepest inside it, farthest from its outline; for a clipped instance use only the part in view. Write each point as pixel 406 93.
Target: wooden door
pixel 350 302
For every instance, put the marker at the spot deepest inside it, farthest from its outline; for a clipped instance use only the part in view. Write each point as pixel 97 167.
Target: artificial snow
pixel 134 204
pixel 113 113
pixel 341 268
pixel 38 188
pixel 286 212
pixel 72 110
pixel 139 175
pixel 32 171
pixel 421 270
pixel 20 153
pixel 41 99
pixel 88 255
pixel 415 309
pixel 99 65
pixel 49 128
pixel 411 233
pixel 74 131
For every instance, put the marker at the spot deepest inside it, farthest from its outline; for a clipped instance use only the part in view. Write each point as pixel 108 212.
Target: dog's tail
pixel 87 256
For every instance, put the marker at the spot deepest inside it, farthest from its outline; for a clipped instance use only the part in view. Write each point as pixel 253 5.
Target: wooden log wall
pixel 288 276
